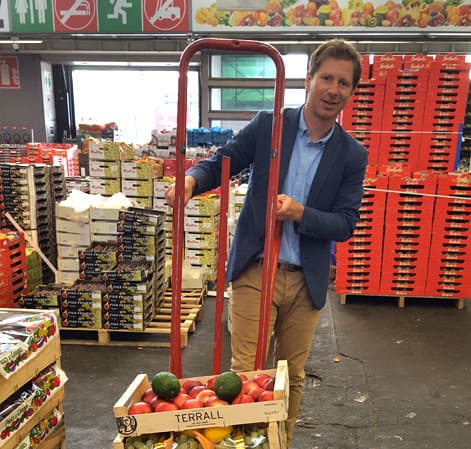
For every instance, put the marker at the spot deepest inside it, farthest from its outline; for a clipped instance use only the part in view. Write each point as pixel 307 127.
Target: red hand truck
pixel 272 228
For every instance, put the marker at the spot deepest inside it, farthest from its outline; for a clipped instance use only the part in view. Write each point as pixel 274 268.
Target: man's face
pixel 329 89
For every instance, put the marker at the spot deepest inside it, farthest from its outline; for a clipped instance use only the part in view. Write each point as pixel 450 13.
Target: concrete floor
pixel 379 377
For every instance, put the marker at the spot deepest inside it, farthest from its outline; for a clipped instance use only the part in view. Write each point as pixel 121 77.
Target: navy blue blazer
pixel 331 210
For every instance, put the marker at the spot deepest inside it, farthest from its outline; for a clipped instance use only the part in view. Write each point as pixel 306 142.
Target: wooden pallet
pixel 401 299
pixel 195 296
pixel 156 333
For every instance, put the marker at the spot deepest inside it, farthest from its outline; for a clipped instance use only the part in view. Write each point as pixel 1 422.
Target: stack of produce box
pixel 141 240
pixel 237 199
pixel 445 108
pixel 219 411
pixel 449 272
pixel 137 180
pixel 160 204
pixel 43 297
pixel 104 217
pixel 105 166
pixel 81 220
pixel 408 227
pixel 31 380
pixel 201 233
pixel 80 305
pixel 29 192
pixel 73 235
pixel 128 302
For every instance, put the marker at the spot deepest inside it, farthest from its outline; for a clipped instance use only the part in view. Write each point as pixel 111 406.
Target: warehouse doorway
pixel 137 100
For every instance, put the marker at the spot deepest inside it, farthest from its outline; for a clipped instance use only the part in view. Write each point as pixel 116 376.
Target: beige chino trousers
pixel 293 321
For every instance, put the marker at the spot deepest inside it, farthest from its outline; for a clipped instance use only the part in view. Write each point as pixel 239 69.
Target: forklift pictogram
pixel 79 8
pixel 165 10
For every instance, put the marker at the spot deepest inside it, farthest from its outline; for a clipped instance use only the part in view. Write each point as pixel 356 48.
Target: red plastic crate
pixel 170 166
pixel 362 286
pixel 416 62
pixel 13 269
pixel 383 65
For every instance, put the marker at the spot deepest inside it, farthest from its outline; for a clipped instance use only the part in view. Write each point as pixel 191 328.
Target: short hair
pixel 337 49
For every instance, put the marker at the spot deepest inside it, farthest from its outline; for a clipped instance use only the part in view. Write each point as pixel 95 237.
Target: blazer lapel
pixel 290 129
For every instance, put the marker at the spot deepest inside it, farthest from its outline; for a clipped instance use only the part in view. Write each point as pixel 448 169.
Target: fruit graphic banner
pixel 241 16
pixel 332 15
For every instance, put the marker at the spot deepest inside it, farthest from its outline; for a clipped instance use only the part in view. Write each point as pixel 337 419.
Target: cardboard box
pixel 205 205
pixel 69 213
pixel 161 186
pixel 110 151
pixel 102 186
pixel 201 241
pixel 74 227
pixel 66 238
pixel 137 187
pixel 104 227
pixel 201 224
pixel 257 412
pixel 104 213
pixel 142 169
pixel 105 169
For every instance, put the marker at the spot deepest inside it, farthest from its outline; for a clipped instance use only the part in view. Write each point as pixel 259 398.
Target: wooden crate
pixel 275 433
pixel 53 402
pixel 257 412
pixel 27 371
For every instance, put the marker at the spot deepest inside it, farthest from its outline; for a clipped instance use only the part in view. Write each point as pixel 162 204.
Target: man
pixel 321 187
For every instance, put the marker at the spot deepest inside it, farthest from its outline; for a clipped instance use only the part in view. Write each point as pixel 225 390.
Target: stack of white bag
pixel 80 220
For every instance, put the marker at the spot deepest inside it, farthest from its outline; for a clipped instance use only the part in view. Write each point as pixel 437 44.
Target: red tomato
pixel 138 408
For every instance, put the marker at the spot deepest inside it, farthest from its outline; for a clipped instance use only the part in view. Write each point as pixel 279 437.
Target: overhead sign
pixel 9 73
pixel 4 17
pixel 165 15
pixel 342 16
pixel 29 16
pixel 72 16
pixel 119 16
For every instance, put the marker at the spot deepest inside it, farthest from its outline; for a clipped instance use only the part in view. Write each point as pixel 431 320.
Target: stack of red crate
pixel 408 227
pixel 404 103
pixel 13 270
pixel 449 272
pixel 359 259
pixel 444 111
pixel 3 211
pixel 361 117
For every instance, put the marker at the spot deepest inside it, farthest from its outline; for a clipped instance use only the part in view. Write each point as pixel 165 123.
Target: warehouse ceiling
pixel 60 48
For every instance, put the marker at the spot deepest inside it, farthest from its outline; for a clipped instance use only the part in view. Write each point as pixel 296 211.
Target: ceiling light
pixel 21 41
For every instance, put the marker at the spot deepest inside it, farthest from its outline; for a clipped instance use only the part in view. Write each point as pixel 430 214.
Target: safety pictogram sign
pixel 165 15
pixel 4 16
pixel 75 15
pixel 119 16
pixel 9 74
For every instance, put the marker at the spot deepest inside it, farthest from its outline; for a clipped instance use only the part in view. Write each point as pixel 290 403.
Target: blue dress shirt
pixel 302 169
